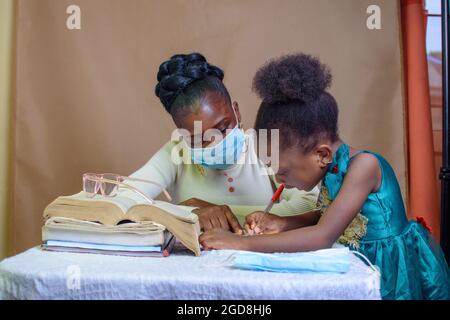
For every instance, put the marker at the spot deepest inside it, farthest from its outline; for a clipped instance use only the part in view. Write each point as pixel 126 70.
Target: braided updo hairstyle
pixel 185 79
pixel 295 101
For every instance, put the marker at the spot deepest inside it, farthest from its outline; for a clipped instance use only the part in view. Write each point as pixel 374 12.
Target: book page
pixel 183 212
pixel 124 203
pixel 132 227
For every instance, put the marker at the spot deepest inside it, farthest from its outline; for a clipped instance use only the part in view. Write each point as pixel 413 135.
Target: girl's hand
pixel 263 223
pixel 221 239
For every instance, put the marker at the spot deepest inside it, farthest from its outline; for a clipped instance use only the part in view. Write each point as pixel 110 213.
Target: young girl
pixel 360 204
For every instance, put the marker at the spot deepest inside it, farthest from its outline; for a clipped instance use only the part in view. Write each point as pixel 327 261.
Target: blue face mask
pixel 224 154
pixel 328 260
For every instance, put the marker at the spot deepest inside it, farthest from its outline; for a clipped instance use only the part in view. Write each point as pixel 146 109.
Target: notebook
pixel 110 249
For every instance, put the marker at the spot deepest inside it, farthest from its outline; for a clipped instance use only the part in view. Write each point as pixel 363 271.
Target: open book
pixel 112 211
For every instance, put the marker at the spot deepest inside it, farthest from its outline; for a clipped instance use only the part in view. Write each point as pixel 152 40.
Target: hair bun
pixel 292 77
pixel 179 72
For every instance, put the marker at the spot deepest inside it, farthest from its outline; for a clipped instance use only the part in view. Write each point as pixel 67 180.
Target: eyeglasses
pixel 109 183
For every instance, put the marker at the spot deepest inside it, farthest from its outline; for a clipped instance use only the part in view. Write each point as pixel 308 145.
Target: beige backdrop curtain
pixel 6 73
pixel 85 101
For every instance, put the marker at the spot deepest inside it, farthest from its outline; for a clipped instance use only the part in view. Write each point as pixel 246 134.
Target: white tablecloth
pixel 38 274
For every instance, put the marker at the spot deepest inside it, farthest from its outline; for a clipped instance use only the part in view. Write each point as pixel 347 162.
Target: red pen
pixel 274 198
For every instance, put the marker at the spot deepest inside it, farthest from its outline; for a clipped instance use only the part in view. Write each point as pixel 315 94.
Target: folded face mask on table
pixel 327 260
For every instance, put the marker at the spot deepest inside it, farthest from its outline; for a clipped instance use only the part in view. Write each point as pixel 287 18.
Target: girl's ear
pixel 324 155
pixel 235 106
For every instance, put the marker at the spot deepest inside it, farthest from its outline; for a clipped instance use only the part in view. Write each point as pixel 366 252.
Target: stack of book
pixel 118 226
pixel 144 238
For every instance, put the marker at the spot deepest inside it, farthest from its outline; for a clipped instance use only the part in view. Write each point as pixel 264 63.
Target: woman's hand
pixel 195 202
pixel 222 239
pixel 263 223
pixel 220 217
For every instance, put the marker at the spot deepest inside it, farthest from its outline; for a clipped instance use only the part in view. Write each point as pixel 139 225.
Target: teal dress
pixel 412 264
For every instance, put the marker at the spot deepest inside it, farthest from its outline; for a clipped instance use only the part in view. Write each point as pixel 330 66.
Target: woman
pixel 191 90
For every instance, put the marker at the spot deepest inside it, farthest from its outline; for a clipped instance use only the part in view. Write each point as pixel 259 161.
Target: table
pixel 39 274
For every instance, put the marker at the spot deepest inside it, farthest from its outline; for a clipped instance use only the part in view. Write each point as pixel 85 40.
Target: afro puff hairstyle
pixel 295 101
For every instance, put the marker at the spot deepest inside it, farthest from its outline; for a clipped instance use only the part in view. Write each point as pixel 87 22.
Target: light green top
pixel 246 187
